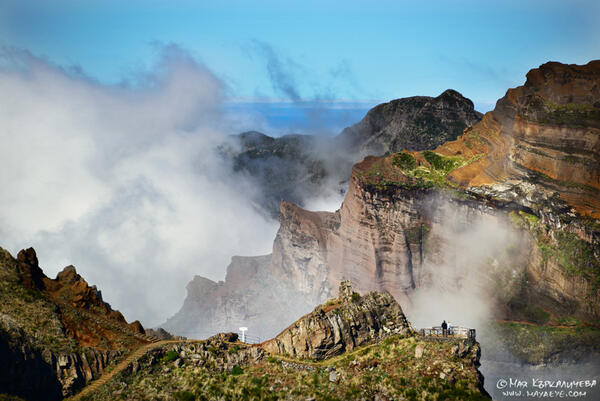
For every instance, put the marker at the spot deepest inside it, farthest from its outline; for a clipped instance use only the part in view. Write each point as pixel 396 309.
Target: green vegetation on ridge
pixel 389 368
pixel 546 344
pixel 407 172
pixel 575 255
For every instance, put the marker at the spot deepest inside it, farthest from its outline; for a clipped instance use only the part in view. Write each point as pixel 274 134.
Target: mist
pixel 473 256
pixel 123 181
pixel 475 261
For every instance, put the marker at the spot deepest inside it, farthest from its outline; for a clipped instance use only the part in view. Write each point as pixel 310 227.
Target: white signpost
pixel 243 330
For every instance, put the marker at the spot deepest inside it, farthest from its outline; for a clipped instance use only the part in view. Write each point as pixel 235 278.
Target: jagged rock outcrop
pixel 55 335
pixel 406 220
pixel 76 369
pixel 386 366
pixel 340 325
pixel 30 273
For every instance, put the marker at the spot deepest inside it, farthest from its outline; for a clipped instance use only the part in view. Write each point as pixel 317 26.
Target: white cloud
pixel 123 182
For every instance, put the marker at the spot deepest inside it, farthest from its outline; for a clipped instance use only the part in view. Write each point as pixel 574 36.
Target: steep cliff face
pixel 538 153
pixel 541 151
pixel 542 139
pixel 340 325
pixel 507 210
pixel 291 167
pixel 55 335
pixel 385 242
pixel 255 293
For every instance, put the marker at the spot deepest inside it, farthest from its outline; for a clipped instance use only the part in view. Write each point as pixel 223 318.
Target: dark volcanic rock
pixel 296 168
pixel 292 167
pixel 29 270
pixel 413 123
pixel 23 370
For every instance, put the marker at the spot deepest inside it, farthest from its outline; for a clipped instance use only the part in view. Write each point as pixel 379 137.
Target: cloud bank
pixel 122 181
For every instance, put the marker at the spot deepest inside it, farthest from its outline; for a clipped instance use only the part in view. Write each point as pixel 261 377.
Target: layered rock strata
pixel 406 220
pixel 340 325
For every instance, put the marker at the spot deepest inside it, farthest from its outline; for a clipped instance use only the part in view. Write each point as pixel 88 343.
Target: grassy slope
pixel 412 170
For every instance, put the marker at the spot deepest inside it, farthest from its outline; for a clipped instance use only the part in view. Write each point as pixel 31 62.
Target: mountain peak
pixel 29 270
pixel 413 123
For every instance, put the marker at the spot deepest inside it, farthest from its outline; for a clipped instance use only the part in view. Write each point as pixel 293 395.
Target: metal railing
pixel 251 339
pixel 453 332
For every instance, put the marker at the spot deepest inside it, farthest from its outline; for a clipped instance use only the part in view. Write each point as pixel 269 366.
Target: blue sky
pixel 279 57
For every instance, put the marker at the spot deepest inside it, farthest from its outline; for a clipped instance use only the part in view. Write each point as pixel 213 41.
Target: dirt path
pixel 138 353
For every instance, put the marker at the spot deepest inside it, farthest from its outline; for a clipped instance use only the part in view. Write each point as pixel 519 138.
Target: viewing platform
pixel 250 339
pixel 452 333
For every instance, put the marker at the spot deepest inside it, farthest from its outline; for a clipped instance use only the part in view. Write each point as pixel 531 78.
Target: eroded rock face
pixel 255 294
pixel 543 138
pixel 340 325
pixel 397 234
pixel 75 370
pixel 376 241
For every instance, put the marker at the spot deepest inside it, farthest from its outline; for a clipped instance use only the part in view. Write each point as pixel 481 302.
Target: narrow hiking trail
pixel 138 353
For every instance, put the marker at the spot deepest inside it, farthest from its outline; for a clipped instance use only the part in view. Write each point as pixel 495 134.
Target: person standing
pixel 444 328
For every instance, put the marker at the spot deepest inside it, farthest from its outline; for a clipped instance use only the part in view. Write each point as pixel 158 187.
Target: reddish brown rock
pixel 81 333
pixel 546 132
pixel 536 152
pixel 137 327
pixel 29 270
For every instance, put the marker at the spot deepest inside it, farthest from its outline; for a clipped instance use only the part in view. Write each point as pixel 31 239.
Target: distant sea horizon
pixel 323 118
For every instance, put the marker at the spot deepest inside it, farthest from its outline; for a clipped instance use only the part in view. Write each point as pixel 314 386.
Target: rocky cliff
pixel 340 325
pixel 292 167
pixel 507 211
pixel 56 335
pixel 364 346
pixel 388 242
pixel 297 168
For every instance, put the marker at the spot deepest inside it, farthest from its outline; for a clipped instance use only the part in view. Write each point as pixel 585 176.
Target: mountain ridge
pixel 56 335
pixel 391 232
pixel 297 167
